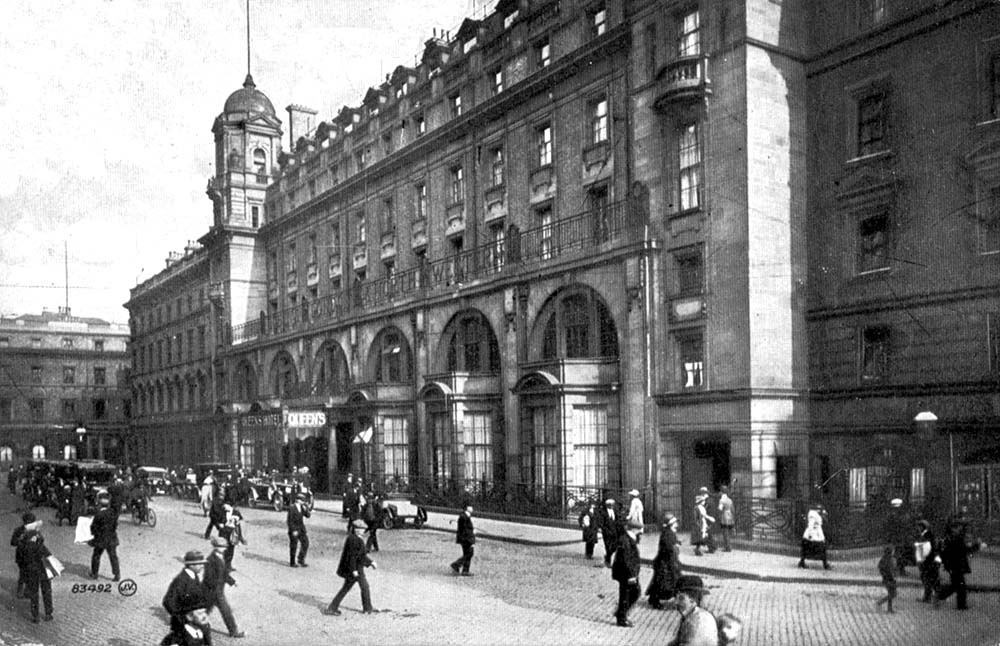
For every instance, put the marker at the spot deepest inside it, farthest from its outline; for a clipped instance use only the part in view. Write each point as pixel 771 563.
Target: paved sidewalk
pixel 743 562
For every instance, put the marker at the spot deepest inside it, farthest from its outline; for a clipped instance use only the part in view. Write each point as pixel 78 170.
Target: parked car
pixel 279 490
pixel 397 509
pixel 157 478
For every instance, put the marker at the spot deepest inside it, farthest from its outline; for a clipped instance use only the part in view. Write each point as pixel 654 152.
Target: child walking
pixel 887 568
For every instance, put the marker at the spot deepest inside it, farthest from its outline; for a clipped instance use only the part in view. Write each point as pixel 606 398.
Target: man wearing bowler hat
pixel 185 593
pixel 104 529
pixel 297 532
pixel 216 578
pixel 625 571
pixel 698 626
pixel 353 561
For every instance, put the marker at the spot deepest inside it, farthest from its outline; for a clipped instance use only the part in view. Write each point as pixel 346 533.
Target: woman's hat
pixel 702 497
pixel 896 502
pixel 633 492
pixel 194 557
pixel 609 502
pixel 300 496
pixel 690 583
pixel 924 524
pixel 669 518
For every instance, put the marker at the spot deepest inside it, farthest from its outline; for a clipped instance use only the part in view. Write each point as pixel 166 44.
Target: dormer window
pixel 468 45
pixel 349 128
pixel 598 21
pixel 509 19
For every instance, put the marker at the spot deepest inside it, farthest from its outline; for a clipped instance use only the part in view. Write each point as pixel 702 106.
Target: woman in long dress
pixel 666 564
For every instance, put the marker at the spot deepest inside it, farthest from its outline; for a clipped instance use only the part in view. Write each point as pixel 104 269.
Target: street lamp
pixel 81 434
pixel 926 422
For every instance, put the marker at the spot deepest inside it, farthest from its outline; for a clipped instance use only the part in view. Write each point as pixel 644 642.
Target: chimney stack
pixel 300 123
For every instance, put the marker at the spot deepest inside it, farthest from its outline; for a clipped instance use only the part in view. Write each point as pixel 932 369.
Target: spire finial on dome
pixel 248 83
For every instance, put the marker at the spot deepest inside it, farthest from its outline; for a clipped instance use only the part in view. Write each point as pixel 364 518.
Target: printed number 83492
pixel 83 588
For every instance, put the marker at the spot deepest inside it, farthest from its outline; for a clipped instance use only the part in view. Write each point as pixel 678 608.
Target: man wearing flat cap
pixel 698 626
pixel 216 578
pixel 297 532
pixel 185 594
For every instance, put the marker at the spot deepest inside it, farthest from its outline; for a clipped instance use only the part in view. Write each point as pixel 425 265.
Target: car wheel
pixel 151 517
pixel 388 521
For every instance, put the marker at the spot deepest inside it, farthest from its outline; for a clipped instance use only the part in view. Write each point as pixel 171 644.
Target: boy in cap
pixel 15 539
pixel 185 594
pixel 698 626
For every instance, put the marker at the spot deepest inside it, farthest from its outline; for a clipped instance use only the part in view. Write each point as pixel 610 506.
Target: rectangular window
pixel 599 120
pixel 99 345
pixel 69 374
pixel 498 246
pixel 691 357
pixel 871 124
pixel 650 50
pixel 468 45
pixel 689 155
pixel 873 243
pixel 477 439
pixel 100 408
pixel 496 80
pixel 361 159
pixel 36 409
pixel 455 104
pixel 597 205
pixel 786 472
pixel 545 223
pixel 496 166
pixel 690 272
pixel 875 353
pixel 69 409
pixel 420 124
pixel 36 341
pixel 545 450
pixel 543 53
pixel 543 144
pixel 388 216
pixel 201 340
pixel 67 342
pixel 397 449
pixel 993 339
pixel 918 486
pixel 509 19
pixel 439 427
pixel 360 230
pixel 100 376
pixel 6 410
pixel 857 491
pixel 190 343
pixel 420 192
pixel 457 185
pixel 386 145
pixel 36 374
pixel 871 13
pixel 598 21
pixel 689 39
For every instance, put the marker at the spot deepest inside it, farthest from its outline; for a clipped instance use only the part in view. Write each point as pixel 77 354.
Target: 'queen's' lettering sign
pixel 305 419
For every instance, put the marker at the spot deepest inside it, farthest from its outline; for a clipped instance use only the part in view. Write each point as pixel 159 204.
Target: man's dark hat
pixel 27 518
pixel 690 583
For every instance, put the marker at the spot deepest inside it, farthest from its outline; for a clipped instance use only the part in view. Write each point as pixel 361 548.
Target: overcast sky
pixel 107 108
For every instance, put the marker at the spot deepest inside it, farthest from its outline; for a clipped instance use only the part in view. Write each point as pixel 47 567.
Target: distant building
pixel 583 246
pixel 63 388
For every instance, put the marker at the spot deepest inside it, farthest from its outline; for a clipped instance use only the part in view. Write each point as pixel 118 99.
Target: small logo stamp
pixel 127 587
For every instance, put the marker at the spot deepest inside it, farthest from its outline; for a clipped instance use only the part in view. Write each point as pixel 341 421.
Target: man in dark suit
pixel 104 529
pixel 15 539
pixel 625 571
pixel 186 592
pixel 216 578
pixel 31 553
pixel 955 550
pixel 216 516
pixel 612 527
pixel 466 537
pixel 353 561
pixel 297 532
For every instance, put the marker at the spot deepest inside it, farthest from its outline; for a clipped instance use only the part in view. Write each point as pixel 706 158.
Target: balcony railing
pixel 682 79
pixel 577 236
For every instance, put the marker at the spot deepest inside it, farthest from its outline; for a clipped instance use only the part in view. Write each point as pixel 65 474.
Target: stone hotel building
pixel 584 246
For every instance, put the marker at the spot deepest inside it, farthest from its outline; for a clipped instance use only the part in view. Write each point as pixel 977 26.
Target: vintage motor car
pixel 279 490
pixel 396 510
pixel 157 478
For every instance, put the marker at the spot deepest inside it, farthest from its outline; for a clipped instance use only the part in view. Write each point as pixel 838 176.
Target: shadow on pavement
pixel 250 556
pixel 310 600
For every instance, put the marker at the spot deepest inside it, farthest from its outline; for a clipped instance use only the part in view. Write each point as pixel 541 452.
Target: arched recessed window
pixel 472 346
pixel 6 454
pixel 38 452
pixel 332 373
pixel 578 325
pixel 244 382
pixel 284 375
pixel 391 357
pixel 69 452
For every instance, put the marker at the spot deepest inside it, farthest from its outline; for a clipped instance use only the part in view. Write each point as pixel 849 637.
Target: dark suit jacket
pixel 216 576
pixel 626 564
pixel 294 519
pixel 354 557
pixel 465 534
pixel 105 528
pixel 184 594
pixel 31 553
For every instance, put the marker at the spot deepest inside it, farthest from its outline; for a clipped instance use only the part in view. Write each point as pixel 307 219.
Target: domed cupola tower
pixel 247 145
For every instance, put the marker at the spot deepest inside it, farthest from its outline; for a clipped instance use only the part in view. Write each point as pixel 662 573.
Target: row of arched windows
pixel 7 453
pixel 178 394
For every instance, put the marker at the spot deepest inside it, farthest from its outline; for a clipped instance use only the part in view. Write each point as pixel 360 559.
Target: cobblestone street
pixel 520 594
